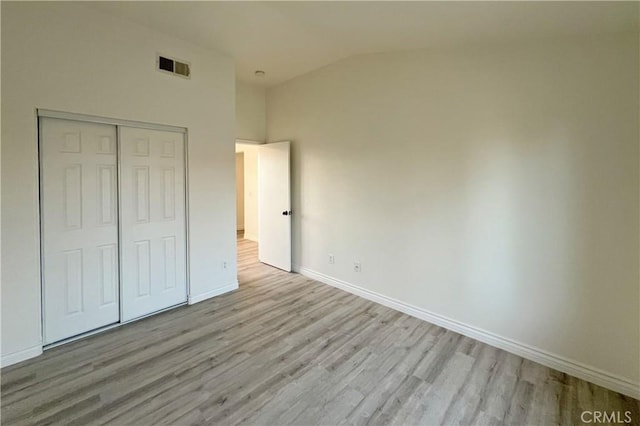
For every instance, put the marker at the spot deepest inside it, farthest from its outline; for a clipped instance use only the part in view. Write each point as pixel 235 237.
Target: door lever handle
pixel 286 213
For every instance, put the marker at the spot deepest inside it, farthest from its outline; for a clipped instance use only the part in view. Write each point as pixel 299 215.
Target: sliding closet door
pixel 153 236
pixel 79 227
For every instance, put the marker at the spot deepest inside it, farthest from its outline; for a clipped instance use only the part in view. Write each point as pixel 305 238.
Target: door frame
pixel 118 123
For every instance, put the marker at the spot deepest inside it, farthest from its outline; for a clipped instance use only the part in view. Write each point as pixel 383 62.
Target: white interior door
pixel 153 236
pixel 274 205
pixel 79 227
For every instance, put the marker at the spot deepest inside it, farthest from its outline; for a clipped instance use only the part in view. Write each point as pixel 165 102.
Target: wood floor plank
pixel 284 349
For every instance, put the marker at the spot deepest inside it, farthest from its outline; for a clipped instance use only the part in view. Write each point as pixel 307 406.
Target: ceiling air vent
pixel 173 66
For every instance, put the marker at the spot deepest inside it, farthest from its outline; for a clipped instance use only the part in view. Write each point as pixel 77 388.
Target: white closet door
pixel 153 236
pixel 79 225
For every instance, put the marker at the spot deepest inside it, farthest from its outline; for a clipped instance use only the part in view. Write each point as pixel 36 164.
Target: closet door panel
pixel 79 227
pixel 153 236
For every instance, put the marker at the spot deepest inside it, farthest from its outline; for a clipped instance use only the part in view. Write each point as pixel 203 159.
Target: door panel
pixel 274 205
pixel 79 227
pixel 152 200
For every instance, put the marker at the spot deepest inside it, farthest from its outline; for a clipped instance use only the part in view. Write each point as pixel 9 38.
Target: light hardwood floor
pixel 284 349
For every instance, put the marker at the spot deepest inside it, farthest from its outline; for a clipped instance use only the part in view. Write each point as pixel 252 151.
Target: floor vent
pixel 173 66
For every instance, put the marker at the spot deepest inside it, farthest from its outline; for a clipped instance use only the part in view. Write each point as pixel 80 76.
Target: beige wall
pixel 250 112
pixel 496 186
pixel 65 56
pixel 250 190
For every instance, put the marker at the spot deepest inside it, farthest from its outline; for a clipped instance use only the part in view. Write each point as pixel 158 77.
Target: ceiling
pixel 287 39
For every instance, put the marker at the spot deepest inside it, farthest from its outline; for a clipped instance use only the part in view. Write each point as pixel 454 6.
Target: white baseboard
pixel 251 237
pixel 213 293
pixel 20 356
pixel 557 362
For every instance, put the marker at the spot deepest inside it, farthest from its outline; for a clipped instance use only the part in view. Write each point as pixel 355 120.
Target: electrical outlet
pixel 224 265
pixel 332 259
pixel 357 267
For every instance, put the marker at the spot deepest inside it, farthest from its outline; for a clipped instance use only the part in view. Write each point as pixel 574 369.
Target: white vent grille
pixel 173 66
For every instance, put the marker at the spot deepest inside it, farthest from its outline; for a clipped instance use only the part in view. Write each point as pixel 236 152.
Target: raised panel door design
pixel 71 142
pixel 168 193
pixel 73 281
pixel 141 147
pixel 141 193
pixel 107 145
pixel 152 200
pixel 109 273
pixel 169 260
pixel 79 227
pixel 72 190
pixel 168 149
pixel 143 268
pixel 107 194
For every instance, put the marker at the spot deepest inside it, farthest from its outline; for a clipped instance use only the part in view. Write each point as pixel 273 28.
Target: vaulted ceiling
pixel 287 39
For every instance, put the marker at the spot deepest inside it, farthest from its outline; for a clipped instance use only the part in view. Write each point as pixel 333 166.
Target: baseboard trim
pixel 251 237
pixel 20 356
pixel 213 293
pixel 557 362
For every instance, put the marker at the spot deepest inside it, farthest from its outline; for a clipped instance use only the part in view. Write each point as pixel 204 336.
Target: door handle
pixel 286 213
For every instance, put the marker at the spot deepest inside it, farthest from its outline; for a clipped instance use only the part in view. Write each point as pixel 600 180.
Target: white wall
pixel 496 186
pixel 250 125
pixel 250 112
pixel 68 57
pixel 250 190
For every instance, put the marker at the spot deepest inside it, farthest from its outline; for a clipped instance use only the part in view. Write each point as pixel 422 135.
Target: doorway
pixel 240 194
pixel 247 191
pixel 263 181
